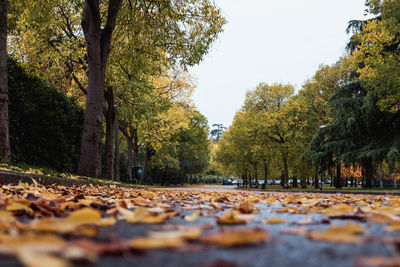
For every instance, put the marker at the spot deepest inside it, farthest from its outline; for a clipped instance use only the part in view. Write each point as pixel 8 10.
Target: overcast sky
pixel 272 41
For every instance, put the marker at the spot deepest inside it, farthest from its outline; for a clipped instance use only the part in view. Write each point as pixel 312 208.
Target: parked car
pixel 227 182
pixel 238 182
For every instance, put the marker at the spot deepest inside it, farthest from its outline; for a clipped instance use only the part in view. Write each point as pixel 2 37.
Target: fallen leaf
pixel 348 233
pixel 234 217
pixel 187 233
pixel 233 238
pixel 274 221
pixel 393 227
pixel 31 258
pixel 142 215
pixel 144 243
pixel 294 231
pixel 18 207
pixel 84 216
pixel 246 208
pixel 193 217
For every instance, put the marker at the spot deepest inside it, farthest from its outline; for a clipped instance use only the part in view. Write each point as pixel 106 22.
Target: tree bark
pixel 129 169
pixel 116 157
pixel 135 145
pixel 316 179
pixel 5 151
pixel 338 176
pixel 147 158
pixel 256 174
pixel 285 169
pixel 369 173
pixel 110 131
pixel 380 175
pixel 98 46
pixel 265 173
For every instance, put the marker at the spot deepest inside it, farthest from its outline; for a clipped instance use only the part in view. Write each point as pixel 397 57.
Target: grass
pixel 328 188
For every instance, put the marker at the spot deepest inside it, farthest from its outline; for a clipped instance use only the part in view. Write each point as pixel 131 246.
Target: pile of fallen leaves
pixel 56 226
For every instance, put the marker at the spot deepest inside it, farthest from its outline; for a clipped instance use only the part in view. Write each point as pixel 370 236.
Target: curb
pixel 9 177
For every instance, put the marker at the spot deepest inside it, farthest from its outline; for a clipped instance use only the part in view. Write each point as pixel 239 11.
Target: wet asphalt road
pixel 280 250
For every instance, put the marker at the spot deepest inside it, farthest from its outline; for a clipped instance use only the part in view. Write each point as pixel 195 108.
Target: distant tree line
pixel 346 116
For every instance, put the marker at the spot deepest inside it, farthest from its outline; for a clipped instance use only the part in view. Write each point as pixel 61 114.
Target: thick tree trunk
pixel 116 157
pixel 98 42
pixel 5 152
pixel 110 131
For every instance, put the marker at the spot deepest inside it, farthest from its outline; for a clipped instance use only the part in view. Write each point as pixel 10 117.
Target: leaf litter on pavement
pixel 58 226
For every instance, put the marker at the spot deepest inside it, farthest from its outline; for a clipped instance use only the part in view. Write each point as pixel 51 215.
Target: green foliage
pixel 186 153
pixel 378 51
pixel 45 125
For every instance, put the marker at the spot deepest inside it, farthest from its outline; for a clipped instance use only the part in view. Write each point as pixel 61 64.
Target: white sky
pixel 269 41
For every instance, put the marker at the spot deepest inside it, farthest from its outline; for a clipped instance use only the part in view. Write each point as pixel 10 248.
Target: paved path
pixel 280 250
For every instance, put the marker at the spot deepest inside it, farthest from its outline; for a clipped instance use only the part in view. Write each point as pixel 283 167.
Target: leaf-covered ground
pixel 118 226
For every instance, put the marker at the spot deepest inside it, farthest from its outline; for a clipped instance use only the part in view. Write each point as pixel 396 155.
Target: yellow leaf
pixel 349 233
pixel 15 206
pixel 234 238
pixel 193 217
pixel 184 233
pixel 84 216
pixel 144 243
pixel 31 258
pixel 393 227
pixel 294 231
pixel 142 215
pixel 274 221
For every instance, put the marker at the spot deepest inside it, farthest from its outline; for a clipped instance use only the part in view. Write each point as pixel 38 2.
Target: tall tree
pixel 378 52
pixel 279 119
pixel 98 41
pixel 5 152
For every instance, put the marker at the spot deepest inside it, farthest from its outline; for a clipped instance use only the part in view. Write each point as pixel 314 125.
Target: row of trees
pixel 123 61
pixel 346 116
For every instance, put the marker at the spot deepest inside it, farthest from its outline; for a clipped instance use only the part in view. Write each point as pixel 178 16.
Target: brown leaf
pixel 233 238
pixel 145 243
pixel 348 233
pixel 274 221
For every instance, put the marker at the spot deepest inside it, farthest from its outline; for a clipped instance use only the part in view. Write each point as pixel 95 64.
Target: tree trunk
pixel 256 175
pixel 369 173
pixel 265 173
pixel 380 176
pixel 164 177
pixel 135 145
pixel 5 152
pixel 129 169
pixel 110 131
pixel 146 166
pixel 338 176
pixel 285 169
pixel 98 45
pixel 316 179
pixel 116 157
